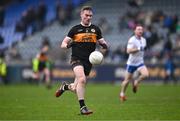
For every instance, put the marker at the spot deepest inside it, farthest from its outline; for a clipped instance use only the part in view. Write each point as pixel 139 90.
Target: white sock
pixel 122 94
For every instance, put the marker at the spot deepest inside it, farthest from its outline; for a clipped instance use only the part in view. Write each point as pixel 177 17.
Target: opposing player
pixel 41 65
pixel 82 39
pixel 135 49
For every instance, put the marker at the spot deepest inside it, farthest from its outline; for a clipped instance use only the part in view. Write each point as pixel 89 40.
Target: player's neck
pixel 138 37
pixel 85 24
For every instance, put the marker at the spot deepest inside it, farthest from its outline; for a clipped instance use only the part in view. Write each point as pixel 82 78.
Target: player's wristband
pixel 104 46
pixel 70 44
pixel 139 48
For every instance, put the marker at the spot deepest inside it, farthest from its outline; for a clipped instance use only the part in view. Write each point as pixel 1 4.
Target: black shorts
pixel 86 64
pixel 42 66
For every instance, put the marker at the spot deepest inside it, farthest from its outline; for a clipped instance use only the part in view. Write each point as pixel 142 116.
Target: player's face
pixel 139 31
pixel 86 17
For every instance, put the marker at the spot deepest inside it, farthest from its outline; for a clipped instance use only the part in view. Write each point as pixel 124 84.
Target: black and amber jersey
pixel 85 39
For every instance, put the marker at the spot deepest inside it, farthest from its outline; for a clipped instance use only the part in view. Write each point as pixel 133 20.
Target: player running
pixel 82 39
pixel 135 49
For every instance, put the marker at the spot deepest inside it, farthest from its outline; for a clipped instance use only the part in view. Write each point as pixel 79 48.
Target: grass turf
pixel 31 102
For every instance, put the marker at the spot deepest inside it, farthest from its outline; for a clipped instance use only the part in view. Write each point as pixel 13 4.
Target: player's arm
pixel 135 49
pixel 104 45
pixel 67 43
pixel 132 50
pixel 131 47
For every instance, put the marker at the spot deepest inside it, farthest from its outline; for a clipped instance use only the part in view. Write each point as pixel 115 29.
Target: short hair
pixel 138 25
pixel 86 8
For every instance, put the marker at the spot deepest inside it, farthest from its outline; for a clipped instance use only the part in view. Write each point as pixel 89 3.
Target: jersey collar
pixel 85 25
pixel 139 38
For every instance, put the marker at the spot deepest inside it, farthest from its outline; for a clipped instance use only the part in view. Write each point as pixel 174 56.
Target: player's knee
pixel 72 87
pixel 35 76
pixel 82 80
pixel 125 81
pixel 46 71
pixel 145 75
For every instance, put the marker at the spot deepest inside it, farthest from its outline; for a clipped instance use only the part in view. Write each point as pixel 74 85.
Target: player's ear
pixel 81 13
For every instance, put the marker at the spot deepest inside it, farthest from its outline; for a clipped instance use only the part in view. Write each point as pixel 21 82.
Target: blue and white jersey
pixel 137 58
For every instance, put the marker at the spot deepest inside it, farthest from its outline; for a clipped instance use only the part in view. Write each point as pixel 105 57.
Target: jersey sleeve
pixel 71 33
pixel 99 34
pixel 130 43
pixel 145 42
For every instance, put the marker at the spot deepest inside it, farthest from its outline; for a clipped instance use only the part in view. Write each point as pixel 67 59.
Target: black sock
pixel 81 103
pixel 66 87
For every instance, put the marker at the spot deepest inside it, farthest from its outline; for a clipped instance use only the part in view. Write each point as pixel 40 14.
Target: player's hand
pixel 70 44
pixel 104 51
pixel 141 48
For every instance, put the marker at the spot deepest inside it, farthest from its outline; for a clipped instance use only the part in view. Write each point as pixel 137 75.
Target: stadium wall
pixel 103 73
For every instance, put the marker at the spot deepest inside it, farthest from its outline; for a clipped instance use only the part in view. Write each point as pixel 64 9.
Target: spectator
pixel 151 36
pixel 119 54
pixel 1 39
pixel 169 69
pixel 60 14
pixel 2 15
pixel 41 16
pixel 22 24
pixel 122 23
pixel 167 47
pixel 168 21
pixel 31 15
pixel 174 24
pixel 13 53
pixel 177 46
pixel 3 69
pixel 69 11
pixel 104 25
pixel 133 3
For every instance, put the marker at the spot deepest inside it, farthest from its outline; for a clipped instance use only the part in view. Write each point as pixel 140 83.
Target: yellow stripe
pixel 85 37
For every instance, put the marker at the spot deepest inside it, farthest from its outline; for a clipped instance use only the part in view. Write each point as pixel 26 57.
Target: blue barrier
pixel 102 73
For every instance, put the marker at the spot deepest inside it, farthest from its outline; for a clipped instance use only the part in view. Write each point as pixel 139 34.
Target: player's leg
pixel 47 77
pixel 64 86
pixel 173 77
pixel 124 85
pixel 80 88
pixel 4 79
pixel 36 77
pixel 128 76
pixel 166 78
pixel 144 73
pixel 80 81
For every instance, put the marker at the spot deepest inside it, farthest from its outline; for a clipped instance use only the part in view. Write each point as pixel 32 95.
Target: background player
pixel 135 49
pixel 41 66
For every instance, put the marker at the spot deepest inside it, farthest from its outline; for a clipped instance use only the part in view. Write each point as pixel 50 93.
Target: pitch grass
pixel 31 102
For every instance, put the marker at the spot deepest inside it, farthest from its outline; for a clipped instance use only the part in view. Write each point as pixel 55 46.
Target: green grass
pixel 31 102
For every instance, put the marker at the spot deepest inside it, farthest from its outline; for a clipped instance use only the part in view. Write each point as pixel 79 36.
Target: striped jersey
pixel 85 39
